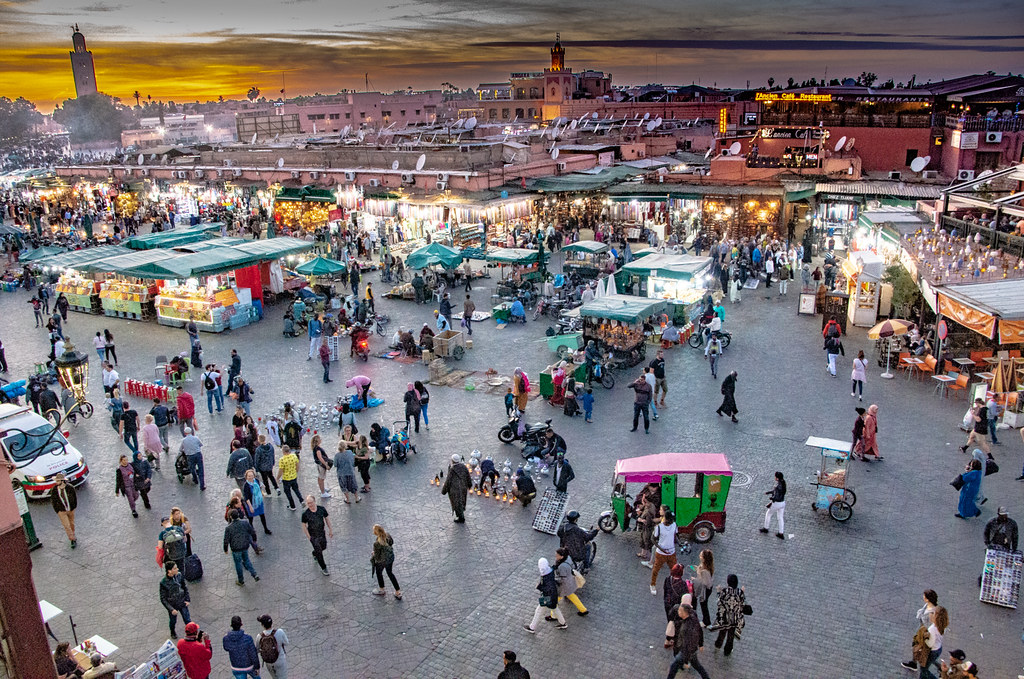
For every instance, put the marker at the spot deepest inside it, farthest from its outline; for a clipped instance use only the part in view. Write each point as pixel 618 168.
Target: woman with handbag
pixel 382 559
pixel 731 614
pixel 928 642
pixel 971 484
pixel 566 577
pixel 548 601
pixel 985 471
pixel 673 590
pixel 869 444
pixel 124 483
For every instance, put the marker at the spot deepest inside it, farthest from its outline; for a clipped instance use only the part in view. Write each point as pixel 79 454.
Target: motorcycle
pixel 551 307
pixel 532 434
pixel 699 338
pixel 603 373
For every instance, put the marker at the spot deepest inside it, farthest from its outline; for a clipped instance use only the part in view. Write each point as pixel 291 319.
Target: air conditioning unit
pixel 181 174
pixel 314 175
pixel 441 186
pixel 895 175
pixel 128 172
pixel 442 176
pixel 407 178
pixel 220 173
pixel 965 175
pixel 227 163
pixel 374 182
pixel 199 174
pixel 930 174
pixel 561 167
pixel 237 172
pixel 350 176
pixel 993 137
pixel 296 174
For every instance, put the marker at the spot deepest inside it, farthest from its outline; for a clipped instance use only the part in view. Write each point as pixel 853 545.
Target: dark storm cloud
pixel 952 37
pixel 762 45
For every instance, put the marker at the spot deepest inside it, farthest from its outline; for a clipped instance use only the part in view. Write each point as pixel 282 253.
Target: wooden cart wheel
pixel 850 497
pixel 458 352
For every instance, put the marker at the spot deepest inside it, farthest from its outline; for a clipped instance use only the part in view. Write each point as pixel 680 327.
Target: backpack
pixel 291 434
pixel 174 544
pixel 208 383
pixel 269 651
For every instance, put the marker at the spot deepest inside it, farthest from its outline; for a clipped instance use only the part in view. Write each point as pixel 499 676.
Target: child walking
pixel 588 405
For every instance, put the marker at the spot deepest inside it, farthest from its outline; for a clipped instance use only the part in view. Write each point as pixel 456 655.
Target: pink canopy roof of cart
pixel 650 468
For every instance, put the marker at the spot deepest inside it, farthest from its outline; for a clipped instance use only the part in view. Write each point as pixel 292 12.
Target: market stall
pixel 82 293
pixel 125 299
pixel 433 255
pixel 615 323
pixel 863 271
pixel 302 210
pixel 175 237
pixel 525 263
pixel 681 280
pixel 584 258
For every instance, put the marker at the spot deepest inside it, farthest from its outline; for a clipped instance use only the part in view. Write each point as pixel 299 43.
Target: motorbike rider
pixel 359 334
pixel 575 539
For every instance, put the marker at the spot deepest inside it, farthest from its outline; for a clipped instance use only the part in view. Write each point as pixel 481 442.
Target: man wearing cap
pixel 192 447
pixel 174 596
pixel 99 669
pixel 956 668
pixel 1001 531
pixel 456 487
pixel 65 501
pixel 195 652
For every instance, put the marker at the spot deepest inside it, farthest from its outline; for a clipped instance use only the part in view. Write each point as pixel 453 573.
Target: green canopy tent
pixel 273 248
pixel 677 267
pixel 40 253
pixel 511 256
pixel 624 308
pixel 174 237
pixel 75 258
pixel 128 259
pixel 590 247
pixel 433 254
pixel 320 266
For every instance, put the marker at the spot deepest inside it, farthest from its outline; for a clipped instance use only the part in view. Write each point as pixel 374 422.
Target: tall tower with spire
pixel 557 54
pixel 82 67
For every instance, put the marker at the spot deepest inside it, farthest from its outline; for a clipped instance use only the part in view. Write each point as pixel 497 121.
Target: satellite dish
pixel 360 135
pixel 471 122
pixel 659 121
pixel 841 143
pixel 985 174
pixel 344 133
pixel 918 164
pixel 849 144
pixel 421 161
pixel 651 124
pixel 708 154
pixel 142 159
pixel 573 123
pixel 554 154
pixel 280 162
pixel 253 140
pixel 593 116
pixel 458 123
pixel 646 116
pixel 394 165
pixel 734 149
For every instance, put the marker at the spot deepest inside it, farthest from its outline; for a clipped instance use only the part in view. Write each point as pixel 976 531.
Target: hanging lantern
pixel 73 370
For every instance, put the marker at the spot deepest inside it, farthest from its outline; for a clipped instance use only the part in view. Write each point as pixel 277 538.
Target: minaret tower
pixel 557 54
pixel 82 67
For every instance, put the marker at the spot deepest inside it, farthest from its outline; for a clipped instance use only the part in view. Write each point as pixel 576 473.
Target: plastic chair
pixel 960 384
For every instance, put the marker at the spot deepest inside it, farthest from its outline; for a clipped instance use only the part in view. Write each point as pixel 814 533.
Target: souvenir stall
pixel 82 293
pixel 615 323
pixel 584 258
pixel 525 265
pixel 863 271
pixel 659 213
pixel 680 280
pixel 302 211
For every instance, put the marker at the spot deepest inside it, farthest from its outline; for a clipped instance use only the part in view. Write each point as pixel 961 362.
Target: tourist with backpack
pixel 272 644
pixel 242 654
pixel 209 381
pixel 172 544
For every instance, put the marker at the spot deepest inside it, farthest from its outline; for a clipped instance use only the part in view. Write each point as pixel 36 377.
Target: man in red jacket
pixel 195 652
pixel 186 406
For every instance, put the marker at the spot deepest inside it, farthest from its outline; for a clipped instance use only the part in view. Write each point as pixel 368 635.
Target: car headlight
pixel 37 479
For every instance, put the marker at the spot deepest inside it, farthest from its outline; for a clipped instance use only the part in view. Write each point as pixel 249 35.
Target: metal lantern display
pixel 73 369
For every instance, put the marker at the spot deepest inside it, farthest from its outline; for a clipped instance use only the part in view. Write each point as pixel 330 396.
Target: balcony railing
pixel 980 123
pixel 1007 242
pixel 905 120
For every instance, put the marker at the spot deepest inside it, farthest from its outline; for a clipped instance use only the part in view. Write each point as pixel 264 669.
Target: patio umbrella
pixel 599 289
pixel 432 254
pixel 893 327
pixel 320 266
pixel 609 286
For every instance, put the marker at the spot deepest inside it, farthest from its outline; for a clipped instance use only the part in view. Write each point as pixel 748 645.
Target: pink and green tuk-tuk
pixel 693 485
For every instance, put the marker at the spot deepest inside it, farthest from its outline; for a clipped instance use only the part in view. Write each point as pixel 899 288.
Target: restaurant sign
pixel 792 96
pixel 791 133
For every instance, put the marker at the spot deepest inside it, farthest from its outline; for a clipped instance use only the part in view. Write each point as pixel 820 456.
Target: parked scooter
pixel 533 434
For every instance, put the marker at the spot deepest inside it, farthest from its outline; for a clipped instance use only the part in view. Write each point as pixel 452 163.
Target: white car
pixel 36 476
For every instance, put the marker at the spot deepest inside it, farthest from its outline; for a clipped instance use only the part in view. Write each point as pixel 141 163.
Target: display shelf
pixel 1000 578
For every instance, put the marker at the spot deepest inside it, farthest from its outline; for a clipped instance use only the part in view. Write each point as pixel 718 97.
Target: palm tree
pixel 137 97
pixel 253 94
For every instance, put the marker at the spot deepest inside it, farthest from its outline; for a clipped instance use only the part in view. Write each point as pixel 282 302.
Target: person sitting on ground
pixel 408 343
pixel 426 338
pixel 517 313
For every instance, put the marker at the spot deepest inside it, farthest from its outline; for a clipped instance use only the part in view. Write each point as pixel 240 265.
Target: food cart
pixel 586 258
pixel 615 323
pixel 83 294
pixel 863 271
pixel 832 480
pixel 525 263
pixel 681 280
pixel 126 299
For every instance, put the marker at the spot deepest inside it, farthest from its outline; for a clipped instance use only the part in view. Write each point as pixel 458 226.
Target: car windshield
pixel 23 446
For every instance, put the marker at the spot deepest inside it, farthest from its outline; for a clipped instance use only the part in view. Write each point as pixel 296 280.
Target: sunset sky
pixel 185 50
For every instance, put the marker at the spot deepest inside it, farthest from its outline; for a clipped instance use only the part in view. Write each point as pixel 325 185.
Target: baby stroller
pixel 398 447
pixel 181 467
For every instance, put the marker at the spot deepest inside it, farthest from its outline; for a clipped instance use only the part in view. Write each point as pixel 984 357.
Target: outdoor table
pixel 912 365
pixel 502 313
pixel 964 364
pixel 992 360
pixel 49 612
pixel 99 644
pixel 985 376
pixel 942 382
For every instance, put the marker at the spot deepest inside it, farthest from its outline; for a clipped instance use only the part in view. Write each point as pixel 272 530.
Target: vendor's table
pixel 547 386
pixel 502 313
pixel 1000 579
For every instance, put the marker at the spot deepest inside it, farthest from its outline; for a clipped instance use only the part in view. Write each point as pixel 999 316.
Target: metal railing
pixel 904 120
pixel 1007 242
pixel 979 123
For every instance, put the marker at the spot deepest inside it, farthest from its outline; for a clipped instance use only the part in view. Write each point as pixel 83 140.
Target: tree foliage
pixel 17 117
pixel 905 293
pixel 93 117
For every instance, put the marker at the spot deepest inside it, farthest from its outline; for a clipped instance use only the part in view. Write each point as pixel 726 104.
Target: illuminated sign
pixel 723 120
pixel 792 96
pixel 791 133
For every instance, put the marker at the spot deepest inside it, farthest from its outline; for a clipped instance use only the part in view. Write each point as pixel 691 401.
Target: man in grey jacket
pixel 238 536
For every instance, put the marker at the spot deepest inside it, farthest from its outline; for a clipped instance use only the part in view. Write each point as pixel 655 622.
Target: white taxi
pixel 36 466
